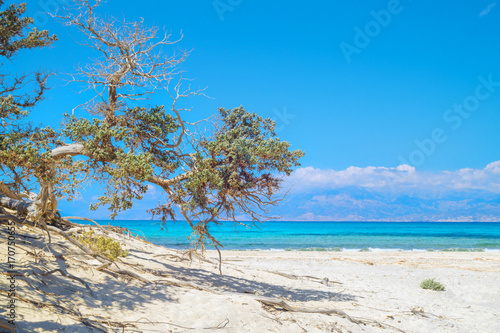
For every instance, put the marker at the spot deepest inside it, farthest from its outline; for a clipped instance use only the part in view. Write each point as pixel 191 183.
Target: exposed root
pixel 182 284
pixel 97 324
pixel 86 219
pixel 134 272
pixel 13 218
pixel 103 266
pixel 46 229
pixel 78 244
pixel 172 256
pixel 66 274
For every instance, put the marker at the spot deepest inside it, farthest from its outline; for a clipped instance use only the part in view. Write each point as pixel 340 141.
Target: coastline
pixel 188 294
pixel 333 236
pixel 364 250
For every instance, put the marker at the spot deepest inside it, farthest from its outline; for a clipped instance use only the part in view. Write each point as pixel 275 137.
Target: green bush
pixel 102 245
pixel 432 284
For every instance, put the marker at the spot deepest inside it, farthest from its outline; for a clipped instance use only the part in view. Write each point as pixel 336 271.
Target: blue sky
pixel 365 84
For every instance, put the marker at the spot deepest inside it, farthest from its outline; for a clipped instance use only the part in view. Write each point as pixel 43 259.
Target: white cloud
pixel 403 178
pixel 488 9
pixel 151 193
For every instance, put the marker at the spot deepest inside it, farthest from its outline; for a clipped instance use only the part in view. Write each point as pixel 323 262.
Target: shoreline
pixel 477 261
pixel 334 236
pixel 364 250
pixel 186 293
pixel 382 257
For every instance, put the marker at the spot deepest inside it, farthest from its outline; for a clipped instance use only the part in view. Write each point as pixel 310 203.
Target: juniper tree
pixel 210 170
pixel 19 92
pixel 21 145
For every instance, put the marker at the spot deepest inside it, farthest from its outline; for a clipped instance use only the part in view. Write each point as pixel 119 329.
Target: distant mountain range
pixel 361 204
pixel 363 194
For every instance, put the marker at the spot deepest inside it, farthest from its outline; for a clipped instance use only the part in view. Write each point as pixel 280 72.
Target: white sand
pixel 375 286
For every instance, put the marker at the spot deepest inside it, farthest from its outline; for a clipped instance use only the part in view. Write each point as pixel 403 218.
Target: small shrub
pixel 432 284
pixel 102 245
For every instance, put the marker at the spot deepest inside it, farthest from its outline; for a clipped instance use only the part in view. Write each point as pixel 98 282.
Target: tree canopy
pixel 212 170
pixel 21 145
pixel 17 33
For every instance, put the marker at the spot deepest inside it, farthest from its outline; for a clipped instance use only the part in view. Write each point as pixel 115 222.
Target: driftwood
pixel 267 300
pixel 282 304
pixel 359 321
pixel 324 281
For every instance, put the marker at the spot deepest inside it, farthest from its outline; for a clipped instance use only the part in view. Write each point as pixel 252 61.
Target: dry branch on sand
pixel 142 275
pixel 233 166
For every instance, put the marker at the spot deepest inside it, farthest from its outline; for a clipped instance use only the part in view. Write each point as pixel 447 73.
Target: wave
pixel 401 234
pixel 369 249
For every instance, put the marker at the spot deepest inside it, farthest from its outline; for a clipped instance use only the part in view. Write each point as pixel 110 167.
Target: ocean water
pixel 330 236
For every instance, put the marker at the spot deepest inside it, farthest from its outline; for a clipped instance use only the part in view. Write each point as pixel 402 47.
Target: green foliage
pixel 124 152
pixel 17 33
pixel 238 171
pixel 209 171
pixel 432 284
pixel 240 157
pixel 23 148
pixel 12 31
pixel 25 151
pixel 237 167
pixel 102 245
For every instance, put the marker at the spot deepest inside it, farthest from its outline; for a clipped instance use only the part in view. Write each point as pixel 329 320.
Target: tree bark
pixel 72 150
pixel 4 189
pixel 19 205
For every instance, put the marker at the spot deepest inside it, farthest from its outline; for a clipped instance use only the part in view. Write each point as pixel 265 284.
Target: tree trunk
pixel 19 205
pixel 45 204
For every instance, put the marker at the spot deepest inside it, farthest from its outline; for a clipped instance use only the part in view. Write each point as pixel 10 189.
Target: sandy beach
pixel 318 291
pixel 340 160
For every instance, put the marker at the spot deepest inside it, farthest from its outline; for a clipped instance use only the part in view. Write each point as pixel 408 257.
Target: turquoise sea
pixel 331 236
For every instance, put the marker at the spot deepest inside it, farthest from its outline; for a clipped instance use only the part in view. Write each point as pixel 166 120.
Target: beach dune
pixel 377 291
